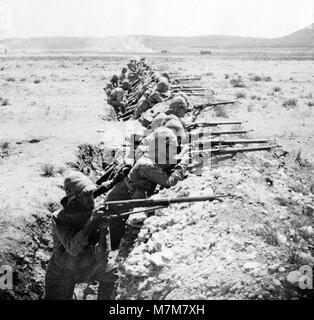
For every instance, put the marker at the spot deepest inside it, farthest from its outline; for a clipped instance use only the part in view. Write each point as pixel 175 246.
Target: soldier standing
pixel 77 246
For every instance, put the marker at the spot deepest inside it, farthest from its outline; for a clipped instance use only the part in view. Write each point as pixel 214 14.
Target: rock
pixel 273 268
pixel 307 231
pixel 248 266
pixel 167 255
pixel 306 258
pixel 293 278
pixel 211 284
pixel 276 283
pixel 42 255
pixel 281 238
pixel 156 259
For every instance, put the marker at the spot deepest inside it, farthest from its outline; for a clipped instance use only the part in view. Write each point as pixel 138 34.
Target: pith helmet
pixel 162 85
pixel 178 103
pixel 125 85
pixel 76 183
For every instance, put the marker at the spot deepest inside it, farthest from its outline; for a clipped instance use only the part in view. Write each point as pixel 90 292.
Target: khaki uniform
pixel 148 116
pixel 147 102
pixel 140 183
pixel 116 100
pixel 74 257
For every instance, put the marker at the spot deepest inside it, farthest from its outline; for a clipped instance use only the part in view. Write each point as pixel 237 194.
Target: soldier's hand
pixel 97 216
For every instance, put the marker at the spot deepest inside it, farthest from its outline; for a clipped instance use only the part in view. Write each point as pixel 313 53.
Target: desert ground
pixel 248 247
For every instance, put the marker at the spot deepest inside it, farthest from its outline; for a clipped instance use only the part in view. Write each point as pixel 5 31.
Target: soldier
pixel 159 113
pixel 150 170
pixel 123 74
pixel 166 75
pixel 116 97
pixel 77 248
pixel 114 81
pixel 149 99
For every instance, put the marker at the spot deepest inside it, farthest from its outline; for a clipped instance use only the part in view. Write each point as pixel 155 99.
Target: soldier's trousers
pixel 119 107
pixel 60 283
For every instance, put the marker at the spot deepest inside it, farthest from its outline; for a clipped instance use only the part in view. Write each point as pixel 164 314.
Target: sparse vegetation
pixel 37 81
pixel 240 95
pixel 4 102
pixel 260 78
pixel 269 234
pixel 310 103
pixel 5 150
pixel 48 170
pixel 256 78
pixel 290 102
pixel 238 83
pixel 277 89
pixel 10 79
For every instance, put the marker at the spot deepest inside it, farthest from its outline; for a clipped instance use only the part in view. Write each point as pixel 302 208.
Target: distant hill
pixel 146 43
pixel 301 38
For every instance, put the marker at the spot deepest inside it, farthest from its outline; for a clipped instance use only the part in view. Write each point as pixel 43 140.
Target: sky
pixel 101 18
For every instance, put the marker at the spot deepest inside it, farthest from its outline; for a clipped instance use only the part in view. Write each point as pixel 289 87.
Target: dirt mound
pixel 243 247
pixel 26 247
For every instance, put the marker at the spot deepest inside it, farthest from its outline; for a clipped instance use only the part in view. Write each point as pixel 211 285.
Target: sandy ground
pixel 44 123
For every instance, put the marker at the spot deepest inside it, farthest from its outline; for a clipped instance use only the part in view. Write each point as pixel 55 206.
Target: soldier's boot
pixel 106 290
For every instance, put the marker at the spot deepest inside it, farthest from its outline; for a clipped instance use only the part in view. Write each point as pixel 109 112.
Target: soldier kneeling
pixel 77 249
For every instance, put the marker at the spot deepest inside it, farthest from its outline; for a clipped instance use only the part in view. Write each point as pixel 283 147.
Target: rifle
pixel 222 151
pixel 188 89
pixel 181 87
pixel 195 94
pixel 107 174
pixel 202 106
pixel 151 203
pixel 188 79
pixel 230 142
pixel 210 124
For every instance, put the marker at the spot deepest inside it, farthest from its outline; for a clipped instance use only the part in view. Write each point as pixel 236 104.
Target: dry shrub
pixel 310 103
pixel 5 150
pixel 267 79
pixel 269 234
pixel 290 102
pixel 4 102
pixel 256 78
pixel 90 156
pixel 238 83
pixel 48 170
pixel 276 89
pixel 241 95
pixel 10 79
pixel 37 81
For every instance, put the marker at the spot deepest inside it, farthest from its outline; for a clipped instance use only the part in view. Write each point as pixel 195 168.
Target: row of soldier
pixel 80 251
pixel 83 236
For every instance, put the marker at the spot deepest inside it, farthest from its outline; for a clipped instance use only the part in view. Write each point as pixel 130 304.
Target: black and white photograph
pixel 156 151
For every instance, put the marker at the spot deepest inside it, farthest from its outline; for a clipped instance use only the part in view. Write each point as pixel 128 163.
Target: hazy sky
pixel 262 18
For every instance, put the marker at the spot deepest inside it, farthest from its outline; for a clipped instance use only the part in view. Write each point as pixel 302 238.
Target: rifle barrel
pixel 232 142
pixel 222 151
pixel 212 124
pixel 218 133
pixel 213 104
pixel 144 203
